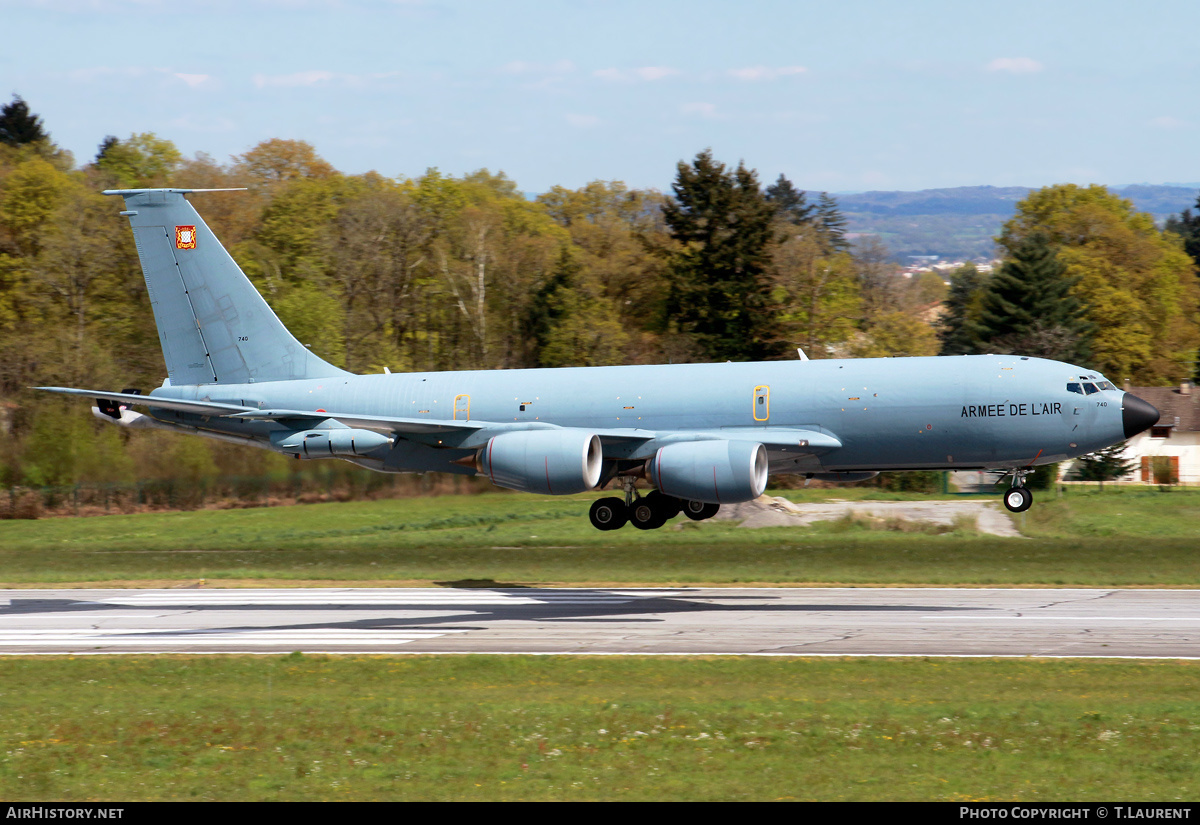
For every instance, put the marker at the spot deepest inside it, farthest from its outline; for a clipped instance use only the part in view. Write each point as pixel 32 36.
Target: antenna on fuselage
pixel 800 352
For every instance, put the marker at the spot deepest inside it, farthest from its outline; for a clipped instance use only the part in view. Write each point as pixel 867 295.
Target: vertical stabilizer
pixel 214 326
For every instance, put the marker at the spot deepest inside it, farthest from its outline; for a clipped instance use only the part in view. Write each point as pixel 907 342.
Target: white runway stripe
pixel 212 638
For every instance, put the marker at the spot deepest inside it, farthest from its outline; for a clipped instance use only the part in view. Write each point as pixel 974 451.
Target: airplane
pixel 702 435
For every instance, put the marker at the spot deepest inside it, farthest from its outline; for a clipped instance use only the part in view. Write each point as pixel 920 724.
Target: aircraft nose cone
pixel 1137 415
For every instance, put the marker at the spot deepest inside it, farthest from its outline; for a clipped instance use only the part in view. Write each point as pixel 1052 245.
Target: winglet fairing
pixel 703 434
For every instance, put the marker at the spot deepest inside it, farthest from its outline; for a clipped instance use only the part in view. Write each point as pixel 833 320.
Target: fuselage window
pixel 1073 387
pixel 1090 389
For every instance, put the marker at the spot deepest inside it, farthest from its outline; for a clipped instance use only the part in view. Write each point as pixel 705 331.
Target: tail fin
pixel 214 326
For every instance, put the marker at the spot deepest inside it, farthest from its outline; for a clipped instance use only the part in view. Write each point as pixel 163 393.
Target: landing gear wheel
pixel 1018 499
pixel 608 513
pixel 699 510
pixel 645 516
pixel 667 506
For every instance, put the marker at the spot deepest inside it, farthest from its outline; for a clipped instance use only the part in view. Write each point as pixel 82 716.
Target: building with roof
pixel 1168 452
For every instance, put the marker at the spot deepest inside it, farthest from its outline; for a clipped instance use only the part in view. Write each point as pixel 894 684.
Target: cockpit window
pixel 1090 389
pixel 1105 385
pixel 1074 387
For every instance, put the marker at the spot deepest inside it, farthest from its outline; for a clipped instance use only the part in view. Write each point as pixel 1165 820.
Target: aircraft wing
pixel 436 426
pixel 403 426
pixel 791 438
pixel 472 434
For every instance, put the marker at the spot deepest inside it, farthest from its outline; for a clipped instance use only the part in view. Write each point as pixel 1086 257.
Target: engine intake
pixel 555 462
pixel 715 472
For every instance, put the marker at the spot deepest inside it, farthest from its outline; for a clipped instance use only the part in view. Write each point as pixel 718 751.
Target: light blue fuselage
pixel 965 412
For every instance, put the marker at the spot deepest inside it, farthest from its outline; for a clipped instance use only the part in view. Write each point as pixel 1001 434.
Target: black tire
pixel 1018 499
pixel 645 516
pixel 667 506
pixel 608 513
pixel 699 510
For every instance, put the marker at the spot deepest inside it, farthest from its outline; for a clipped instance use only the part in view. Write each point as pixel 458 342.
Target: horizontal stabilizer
pixel 129 399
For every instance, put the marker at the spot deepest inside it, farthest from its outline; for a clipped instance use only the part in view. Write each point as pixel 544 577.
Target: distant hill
pixel 960 223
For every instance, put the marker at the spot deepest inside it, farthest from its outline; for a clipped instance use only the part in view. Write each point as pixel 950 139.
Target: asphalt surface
pixel 762 621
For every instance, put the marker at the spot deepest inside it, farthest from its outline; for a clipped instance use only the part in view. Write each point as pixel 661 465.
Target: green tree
pixel 789 202
pixel 1104 465
pixel 1138 284
pixel 819 293
pixel 18 125
pixel 719 291
pixel 831 224
pixel 277 161
pixel 895 334
pixel 574 324
pixel 1187 226
pixel 612 230
pixel 958 327
pixel 1027 308
pixel 142 160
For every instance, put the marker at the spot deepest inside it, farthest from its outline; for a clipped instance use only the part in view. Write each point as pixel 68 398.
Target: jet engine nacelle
pixel 715 472
pixel 558 462
pixel 326 443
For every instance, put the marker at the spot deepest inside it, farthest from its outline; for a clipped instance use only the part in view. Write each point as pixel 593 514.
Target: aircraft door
pixel 462 408
pixel 762 404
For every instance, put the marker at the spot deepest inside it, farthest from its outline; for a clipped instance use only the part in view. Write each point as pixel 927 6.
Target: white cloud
pixel 648 73
pixel 1168 122
pixel 655 72
pixel 195 81
pixel 100 74
pixel 319 78
pixel 766 72
pixel 1015 65
pixel 309 78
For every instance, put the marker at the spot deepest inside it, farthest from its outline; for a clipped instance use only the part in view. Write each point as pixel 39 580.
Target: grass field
pixel 622 728
pixel 563 728
pixel 1115 538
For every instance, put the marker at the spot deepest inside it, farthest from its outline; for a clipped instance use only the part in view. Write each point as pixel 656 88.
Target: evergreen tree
pixel 1028 309
pixel 18 125
pixel 831 224
pixel 109 143
pixel 1104 465
pixel 720 292
pixel 1138 286
pixel 789 202
pixel 957 326
pixel 1187 226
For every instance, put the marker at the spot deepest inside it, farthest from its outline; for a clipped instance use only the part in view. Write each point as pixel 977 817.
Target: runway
pixel 751 621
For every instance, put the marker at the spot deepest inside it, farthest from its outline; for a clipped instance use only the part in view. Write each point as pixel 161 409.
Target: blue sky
pixel 839 95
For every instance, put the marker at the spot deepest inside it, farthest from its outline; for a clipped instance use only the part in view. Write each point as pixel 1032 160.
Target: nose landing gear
pixel 1017 498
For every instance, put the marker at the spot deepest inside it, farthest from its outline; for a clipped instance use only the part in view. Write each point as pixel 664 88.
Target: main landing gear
pixel 647 512
pixel 1017 498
